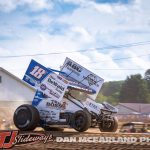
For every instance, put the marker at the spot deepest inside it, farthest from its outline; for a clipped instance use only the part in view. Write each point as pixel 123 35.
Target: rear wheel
pixel 81 120
pixel 109 126
pixel 26 117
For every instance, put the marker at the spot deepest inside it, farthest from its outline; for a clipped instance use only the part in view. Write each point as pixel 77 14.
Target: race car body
pixel 56 101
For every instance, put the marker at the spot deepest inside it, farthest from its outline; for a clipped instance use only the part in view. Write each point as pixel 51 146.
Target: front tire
pixel 26 117
pixel 109 126
pixel 81 120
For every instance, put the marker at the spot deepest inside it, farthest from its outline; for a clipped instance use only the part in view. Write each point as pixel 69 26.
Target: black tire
pixel 26 117
pixel 47 128
pixel 109 126
pixel 81 120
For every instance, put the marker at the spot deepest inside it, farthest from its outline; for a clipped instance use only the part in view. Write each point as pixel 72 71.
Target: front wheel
pixel 26 117
pixel 81 120
pixel 109 126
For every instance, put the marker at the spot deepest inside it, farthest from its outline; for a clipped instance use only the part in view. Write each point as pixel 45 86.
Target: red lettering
pixel 3 136
pixel 12 139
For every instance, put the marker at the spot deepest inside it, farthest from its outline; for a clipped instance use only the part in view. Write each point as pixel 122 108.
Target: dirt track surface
pixel 53 145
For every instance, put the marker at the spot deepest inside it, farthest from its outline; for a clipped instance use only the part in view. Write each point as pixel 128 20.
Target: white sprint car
pixel 64 98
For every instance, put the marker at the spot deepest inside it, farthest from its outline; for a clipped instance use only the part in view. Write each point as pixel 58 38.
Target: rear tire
pixel 81 120
pixel 26 117
pixel 109 126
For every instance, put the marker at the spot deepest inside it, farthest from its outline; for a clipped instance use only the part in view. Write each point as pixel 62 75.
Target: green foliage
pixel 147 75
pixel 110 92
pixel 109 88
pixel 147 79
pixel 134 90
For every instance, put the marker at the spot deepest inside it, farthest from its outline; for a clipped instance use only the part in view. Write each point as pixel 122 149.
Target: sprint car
pixel 64 98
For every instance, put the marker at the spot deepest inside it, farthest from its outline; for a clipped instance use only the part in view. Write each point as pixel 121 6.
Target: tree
pixel 147 75
pixel 110 99
pixel 147 78
pixel 110 88
pixel 134 89
pixel 110 92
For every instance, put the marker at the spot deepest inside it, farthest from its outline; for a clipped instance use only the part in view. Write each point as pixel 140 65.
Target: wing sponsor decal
pixel 75 72
pixel 35 73
pixel 54 86
pixel 74 67
pixel 92 79
pixel 45 81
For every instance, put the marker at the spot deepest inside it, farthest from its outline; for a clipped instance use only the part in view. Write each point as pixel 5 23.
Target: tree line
pixel 135 89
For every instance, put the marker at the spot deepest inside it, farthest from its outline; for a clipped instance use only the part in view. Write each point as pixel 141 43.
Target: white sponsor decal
pixel 54 86
pixel 82 76
pixel 57 105
pixel 49 115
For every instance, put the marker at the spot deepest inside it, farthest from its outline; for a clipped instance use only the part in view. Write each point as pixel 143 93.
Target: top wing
pixel 83 78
